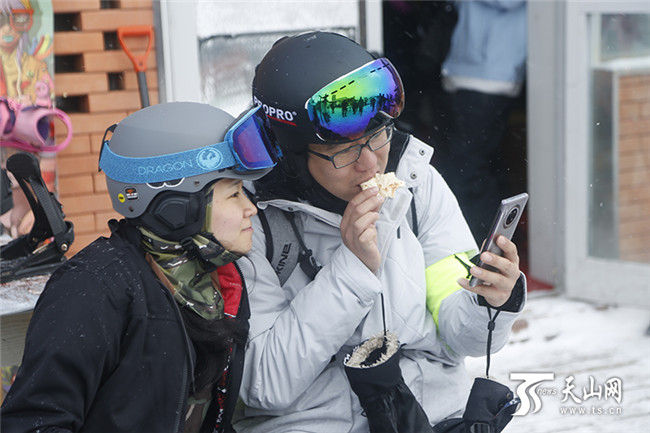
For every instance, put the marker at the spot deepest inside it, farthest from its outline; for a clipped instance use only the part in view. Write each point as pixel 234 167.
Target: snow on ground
pixel 586 348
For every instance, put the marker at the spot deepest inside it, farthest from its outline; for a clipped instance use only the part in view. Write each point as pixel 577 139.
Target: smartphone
pixel 504 224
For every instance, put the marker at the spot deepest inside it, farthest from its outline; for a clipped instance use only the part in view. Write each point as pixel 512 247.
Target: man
pixel 331 105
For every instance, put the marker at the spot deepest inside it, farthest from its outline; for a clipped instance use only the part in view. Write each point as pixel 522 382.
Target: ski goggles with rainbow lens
pixel 249 145
pixel 345 109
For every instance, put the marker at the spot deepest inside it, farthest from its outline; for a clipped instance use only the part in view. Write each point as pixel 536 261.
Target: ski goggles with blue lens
pixel 345 109
pixel 249 146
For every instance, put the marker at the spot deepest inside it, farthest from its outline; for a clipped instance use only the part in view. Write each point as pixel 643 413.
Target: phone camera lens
pixel 512 216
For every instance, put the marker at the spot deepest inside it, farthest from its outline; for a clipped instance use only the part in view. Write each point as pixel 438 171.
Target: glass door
pixel 607 149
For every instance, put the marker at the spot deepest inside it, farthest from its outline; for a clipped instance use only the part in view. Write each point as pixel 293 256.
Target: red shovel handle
pixel 139 61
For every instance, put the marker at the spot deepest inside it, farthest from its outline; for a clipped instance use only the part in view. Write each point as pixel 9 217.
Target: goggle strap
pixel 178 165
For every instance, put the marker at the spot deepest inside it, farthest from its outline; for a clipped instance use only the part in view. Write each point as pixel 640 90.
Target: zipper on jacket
pixel 185 388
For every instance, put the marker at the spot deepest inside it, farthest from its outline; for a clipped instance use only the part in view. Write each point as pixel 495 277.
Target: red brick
pixel 635 80
pixel 91 122
pixel 96 140
pixel 645 110
pixel 135 4
pixel 64 6
pixel 639 92
pixel 629 161
pixel 114 100
pixel 99 182
pixel 629 111
pixel 634 144
pixel 80 83
pixel 86 203
pixel 634 211
pixel 77 164
pixel 112 61
pixel 73 185
pixel 636 195
pixel 67 43
pixel 102 218
pixel 635 242
pixel 632 227
pixel 634 178
pixel 110 19
pixel 632 127
pixel 80 144
pixel 83 223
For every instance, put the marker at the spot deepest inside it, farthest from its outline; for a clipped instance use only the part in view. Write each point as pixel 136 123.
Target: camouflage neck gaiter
pixel 188 268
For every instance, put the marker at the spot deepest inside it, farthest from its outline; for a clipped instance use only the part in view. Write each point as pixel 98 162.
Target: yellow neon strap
pixel 441 280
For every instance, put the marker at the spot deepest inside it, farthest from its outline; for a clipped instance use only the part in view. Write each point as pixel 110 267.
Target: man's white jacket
pixel 300 332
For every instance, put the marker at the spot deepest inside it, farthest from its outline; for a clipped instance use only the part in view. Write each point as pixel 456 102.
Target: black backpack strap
pixel 282 244
pixel 398 146
pixel 261 213
pixel 307 262
pixel 414 215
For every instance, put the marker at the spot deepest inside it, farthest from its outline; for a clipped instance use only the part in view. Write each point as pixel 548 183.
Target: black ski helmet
pixel 174 208
pixel 292 71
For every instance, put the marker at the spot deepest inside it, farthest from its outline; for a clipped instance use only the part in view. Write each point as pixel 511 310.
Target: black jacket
pixel 106 349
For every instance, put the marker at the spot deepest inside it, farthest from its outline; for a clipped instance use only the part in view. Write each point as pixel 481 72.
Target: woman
pixel 144 331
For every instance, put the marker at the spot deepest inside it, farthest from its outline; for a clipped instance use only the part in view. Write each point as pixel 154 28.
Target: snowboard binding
pixel 42 249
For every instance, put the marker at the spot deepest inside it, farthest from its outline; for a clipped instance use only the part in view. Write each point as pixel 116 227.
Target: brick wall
pixel 96 85
pixel 634 167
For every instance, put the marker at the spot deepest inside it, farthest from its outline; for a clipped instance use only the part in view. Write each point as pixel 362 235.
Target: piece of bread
pixel 387 184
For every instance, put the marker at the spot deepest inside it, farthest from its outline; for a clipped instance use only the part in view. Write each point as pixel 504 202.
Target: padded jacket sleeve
pixel 461 320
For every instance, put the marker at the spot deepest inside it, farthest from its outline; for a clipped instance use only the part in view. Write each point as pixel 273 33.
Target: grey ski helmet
pixel 160 159
pixel 298 67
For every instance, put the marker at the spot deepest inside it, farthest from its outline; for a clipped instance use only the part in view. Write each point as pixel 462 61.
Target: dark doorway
pixel 416 40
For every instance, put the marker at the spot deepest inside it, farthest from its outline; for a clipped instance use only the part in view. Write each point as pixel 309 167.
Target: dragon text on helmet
pixel 164 168
pixel 275 113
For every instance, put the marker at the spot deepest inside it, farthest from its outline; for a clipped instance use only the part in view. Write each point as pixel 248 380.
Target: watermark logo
pixel 575 398
pixel 527 390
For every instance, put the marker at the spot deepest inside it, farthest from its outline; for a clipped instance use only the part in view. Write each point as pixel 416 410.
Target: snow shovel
pixel 139 61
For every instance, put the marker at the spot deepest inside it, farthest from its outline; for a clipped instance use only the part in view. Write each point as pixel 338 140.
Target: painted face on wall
pixel 14 22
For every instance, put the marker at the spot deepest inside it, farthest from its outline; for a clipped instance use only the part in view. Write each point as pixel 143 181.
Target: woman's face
pixel 231 216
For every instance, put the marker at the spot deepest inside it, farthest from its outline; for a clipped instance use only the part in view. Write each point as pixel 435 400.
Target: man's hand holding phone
pixel 496 287
pixel 498 267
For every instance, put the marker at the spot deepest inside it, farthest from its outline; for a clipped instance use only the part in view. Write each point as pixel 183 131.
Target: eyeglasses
pixel 350 155
pixel 346 108
pixel 249 145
